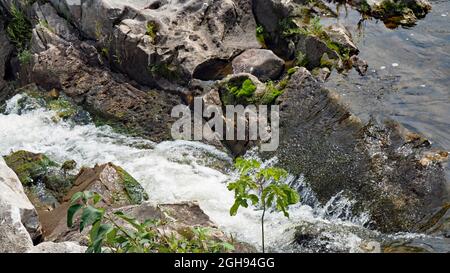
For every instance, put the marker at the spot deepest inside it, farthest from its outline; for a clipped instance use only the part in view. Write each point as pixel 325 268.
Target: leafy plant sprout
pixel 261 187
pixel 120 233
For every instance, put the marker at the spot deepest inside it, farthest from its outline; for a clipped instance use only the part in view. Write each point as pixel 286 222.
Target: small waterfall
pixel 177 171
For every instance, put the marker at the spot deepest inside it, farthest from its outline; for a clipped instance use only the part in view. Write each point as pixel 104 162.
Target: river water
pixel 409 73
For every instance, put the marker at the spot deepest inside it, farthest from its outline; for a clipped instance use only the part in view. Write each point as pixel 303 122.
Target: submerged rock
pixel 19 220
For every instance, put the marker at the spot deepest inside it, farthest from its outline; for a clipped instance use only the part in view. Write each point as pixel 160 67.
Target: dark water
pixel 409 73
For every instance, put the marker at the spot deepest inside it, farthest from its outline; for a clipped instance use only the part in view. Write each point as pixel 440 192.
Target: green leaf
pixel 234 209
pixel 98 236
pixel 254 199
pixel 132 221
pixel 89 216
pixel 71 213
pixel 77 196
pixel 228 246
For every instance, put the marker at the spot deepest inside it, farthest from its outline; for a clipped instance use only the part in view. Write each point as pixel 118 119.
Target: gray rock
pixel 64 247
pixel 143 38
pixel 262 63
pixel 19 223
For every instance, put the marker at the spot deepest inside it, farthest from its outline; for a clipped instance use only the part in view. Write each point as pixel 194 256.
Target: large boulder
pixel 117 187
pixel 392 173
pixel 19 220
pixel 143 40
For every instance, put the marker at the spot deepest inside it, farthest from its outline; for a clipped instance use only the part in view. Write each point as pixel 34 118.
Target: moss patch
pixel 29 166
pixel 135 191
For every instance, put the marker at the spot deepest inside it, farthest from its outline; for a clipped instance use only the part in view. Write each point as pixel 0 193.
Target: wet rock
pixel 394 12
pixel 28 166
pixel 262 63
pixel 342 38
pixel 321 74
pixel 63 247
pixel 328 237
pixel 45 183
pixel 360 65
pixel 19 220
pixel 373 164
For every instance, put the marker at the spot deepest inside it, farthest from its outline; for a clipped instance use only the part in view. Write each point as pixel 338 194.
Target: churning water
pixel 177 171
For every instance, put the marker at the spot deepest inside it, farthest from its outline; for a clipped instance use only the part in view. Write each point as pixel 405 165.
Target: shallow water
pixel 409 73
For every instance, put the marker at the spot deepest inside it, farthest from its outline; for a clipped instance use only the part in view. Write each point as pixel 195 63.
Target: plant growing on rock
pixel 19 29
pixel 120 233
pixel 261 187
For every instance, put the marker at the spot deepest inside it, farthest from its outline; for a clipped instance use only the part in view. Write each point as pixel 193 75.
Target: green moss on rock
pixel 29 166
pixel 135 191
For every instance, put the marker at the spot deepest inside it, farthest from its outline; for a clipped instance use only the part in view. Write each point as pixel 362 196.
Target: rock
pixel 29 167
pixel 360 65
pixel 374 164
pixel 5 53
pixel 64 247
pixel 394 12
pixel 341 37
pixel 19 220
pixel 328 237
pixel 322 74
pixel 117 187
pixel 45 183
pixel 262 63
pixel 142 38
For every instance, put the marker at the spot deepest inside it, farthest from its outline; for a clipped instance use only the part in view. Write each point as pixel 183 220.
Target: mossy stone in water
pixel 29 166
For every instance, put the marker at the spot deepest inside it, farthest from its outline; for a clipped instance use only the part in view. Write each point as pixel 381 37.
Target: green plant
pixel 246 89
pixel 119 233
pixel 262 187
pixel 25 57
pixel 301 59
pixel 271 94
pixel 19 29
pixel 152 29
pixel 261 35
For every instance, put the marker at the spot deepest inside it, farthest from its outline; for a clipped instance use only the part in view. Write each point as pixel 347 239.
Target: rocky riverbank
pixel 127 66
